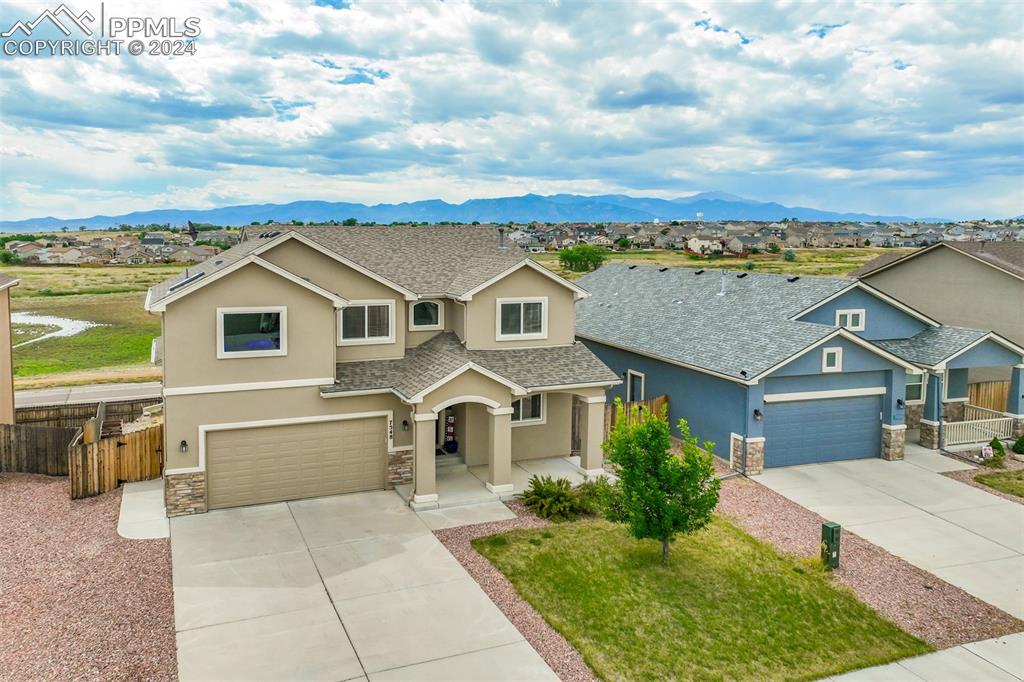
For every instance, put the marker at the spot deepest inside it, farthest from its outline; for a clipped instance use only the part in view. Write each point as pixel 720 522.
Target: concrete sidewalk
pixel 69 395
pixel 991 660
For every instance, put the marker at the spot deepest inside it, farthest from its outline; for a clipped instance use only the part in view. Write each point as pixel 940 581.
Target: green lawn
pixel 22 333
pixel 727 607
pixel 833 262
pixel 1010 482
pixel 122 340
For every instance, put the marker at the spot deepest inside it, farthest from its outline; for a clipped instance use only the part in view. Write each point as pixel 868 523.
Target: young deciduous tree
pixel 661 493
pixel 582 257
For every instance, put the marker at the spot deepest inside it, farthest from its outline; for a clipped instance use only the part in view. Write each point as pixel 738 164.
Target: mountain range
pixel 554 208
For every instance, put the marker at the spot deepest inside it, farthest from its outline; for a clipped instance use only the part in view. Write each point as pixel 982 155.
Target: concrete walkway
pixel 69 395
pixel 351 587
pixel 142 515
pixel 964 535
pixel 991 660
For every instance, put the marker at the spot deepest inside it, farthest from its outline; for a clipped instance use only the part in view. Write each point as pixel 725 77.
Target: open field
pixel 52 281
pixel 727 606
pixel 121 341
pixel 833 262
pixel 23 333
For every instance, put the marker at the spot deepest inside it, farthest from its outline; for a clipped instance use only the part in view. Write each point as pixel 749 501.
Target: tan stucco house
pixel 968 284
pixel 6 363
pixel 309 361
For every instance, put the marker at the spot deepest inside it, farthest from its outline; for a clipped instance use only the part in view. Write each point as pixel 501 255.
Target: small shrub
pixel 789 255
pixel 998 460
pixel 552 499
pixel 1018 446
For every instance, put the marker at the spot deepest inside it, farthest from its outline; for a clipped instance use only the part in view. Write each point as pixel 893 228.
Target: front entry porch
pixel 459 485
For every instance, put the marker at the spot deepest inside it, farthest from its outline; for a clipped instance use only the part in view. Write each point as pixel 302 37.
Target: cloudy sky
pixel 904 108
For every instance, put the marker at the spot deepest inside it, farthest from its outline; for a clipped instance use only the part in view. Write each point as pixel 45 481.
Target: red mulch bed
pixel 78 601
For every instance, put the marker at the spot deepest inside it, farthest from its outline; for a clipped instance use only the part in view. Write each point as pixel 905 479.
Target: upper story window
pixel 832 360
pixel 851 319
pixel 915 388
pixel 528 410
pixel 252 332
pixel 522 318
pixel 426 315
pixel 367 322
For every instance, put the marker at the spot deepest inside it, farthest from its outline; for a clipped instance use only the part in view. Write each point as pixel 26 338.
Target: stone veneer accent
pixel 736 453
pixel 894 438
pixel 954 412
pixel 185 493
pixel 912 415
pixel 1018 427
pixel 400 468
pixel 755 457
pixel 929 434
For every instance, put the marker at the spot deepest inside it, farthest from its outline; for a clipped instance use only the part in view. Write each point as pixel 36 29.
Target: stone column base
pixel 753 463
pixel 185 493
pixel 954 411
pixel 399 468
pixel 894 438
pixel 929 434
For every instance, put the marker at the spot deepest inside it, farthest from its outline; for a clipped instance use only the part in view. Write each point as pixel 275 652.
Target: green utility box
pixel 830 534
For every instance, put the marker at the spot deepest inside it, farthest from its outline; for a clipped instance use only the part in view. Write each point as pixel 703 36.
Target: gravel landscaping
pixel 79 601
pixel 917 601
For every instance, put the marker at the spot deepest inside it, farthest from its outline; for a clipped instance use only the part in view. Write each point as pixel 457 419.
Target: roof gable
pixel 1005 256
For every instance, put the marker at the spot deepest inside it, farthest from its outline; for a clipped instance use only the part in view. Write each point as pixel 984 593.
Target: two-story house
pixel 310 361
pixel 779 370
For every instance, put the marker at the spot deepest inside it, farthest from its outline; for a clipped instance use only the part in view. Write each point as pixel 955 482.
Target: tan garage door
pixel 274 463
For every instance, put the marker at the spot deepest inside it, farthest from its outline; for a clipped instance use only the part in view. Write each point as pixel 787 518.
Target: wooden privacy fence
pixel 646 407
pixel 95 468
pixel 72 416
pixel 989 394
pixel 34 449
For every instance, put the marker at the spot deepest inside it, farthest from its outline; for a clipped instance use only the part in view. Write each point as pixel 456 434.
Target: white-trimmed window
pixel 832 360
pixel 521 318
pixel 366 322
pixel 426 316
pixel 635 385
pixel 852 319
pixel 915 388
pixel 256 332
pixel 528 410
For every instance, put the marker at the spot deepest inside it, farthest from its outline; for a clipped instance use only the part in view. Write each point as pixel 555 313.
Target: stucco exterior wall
pixel 553 438
pixel 190 332
pixel 184 414
pixel 481 329
pixel 958 290
pixel 6 363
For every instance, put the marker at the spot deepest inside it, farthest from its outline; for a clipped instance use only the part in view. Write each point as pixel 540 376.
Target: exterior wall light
pixel 758 415
pixel 899 403
pixel 405 424
pixel 184 446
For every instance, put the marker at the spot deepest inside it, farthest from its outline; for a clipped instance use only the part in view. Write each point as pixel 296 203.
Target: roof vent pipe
pixel 501 237
pixel 722 280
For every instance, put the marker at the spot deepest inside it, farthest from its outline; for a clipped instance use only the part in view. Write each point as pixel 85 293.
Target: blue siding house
pixel 776 370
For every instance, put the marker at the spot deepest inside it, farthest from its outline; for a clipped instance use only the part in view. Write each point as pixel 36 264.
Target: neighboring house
pixel 779 370
pixel 312 361
pixel 152 239
pixel 704 245
pixel 191 254
pixel 6 341
pixel 969 284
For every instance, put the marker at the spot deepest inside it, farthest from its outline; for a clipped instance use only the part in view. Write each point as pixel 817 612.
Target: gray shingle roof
pixel 435 359
pixel 5 280
pixel 679 315
pixel 428 260
pixel 933 345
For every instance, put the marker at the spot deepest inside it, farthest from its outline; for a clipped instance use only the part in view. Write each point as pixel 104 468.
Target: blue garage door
pixel 807 431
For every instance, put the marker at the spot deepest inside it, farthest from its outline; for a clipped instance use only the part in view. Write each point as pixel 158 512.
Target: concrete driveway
pixel 963 535
pixel 336 588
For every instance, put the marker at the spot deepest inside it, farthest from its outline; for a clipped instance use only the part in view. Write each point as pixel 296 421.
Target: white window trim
pixel 850 312
pixel 924 391
pixel 629 384
pixel 543 419
pixel 543 300
pixel 838 352
pixel 413 327
pixel 377 340
pixel 225 355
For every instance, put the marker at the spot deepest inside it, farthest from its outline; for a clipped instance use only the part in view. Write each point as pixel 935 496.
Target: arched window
pixel 426 315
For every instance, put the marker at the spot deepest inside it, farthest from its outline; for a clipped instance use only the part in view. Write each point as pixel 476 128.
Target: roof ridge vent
pixel 742 275
pixel 631 267
pixel 699 272
pixel 662 269
pixel 793 278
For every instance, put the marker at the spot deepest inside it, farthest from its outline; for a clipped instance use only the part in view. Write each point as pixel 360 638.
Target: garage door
pixel 274 463
pixel 806 431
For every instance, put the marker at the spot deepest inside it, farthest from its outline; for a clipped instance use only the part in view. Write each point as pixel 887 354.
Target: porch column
pixel 932 412
pixel 752 461
pixel 592 431
pixel 499 454
pixel 894 430
pixel 425 490
pixel 1015 399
